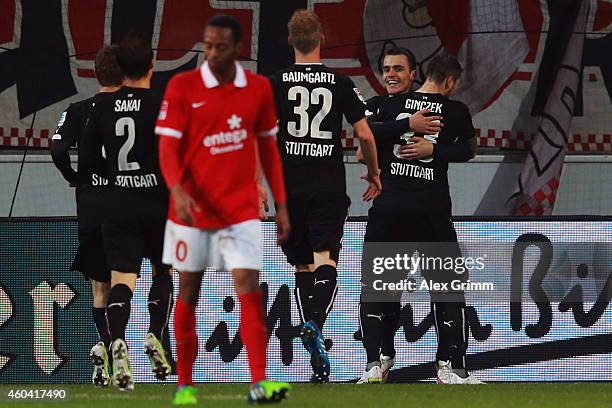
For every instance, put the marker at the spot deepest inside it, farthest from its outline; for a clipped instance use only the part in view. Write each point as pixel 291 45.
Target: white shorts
pixel 192 249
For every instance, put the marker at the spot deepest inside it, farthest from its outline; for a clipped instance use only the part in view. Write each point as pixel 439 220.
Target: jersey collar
pixel 210 81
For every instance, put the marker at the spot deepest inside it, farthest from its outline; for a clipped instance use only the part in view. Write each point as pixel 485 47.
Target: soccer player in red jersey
pixel 210 123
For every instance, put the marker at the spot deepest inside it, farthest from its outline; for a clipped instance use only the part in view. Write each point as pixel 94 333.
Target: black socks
pixel 324 291
pixel 452 328
pixel 160 305
pixel 304 282
pixel 99 317
pixel 118 310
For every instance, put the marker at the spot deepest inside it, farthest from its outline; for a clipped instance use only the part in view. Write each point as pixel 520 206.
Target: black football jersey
pixel 311 101
pixel 418 185
pixel 123 124
pixel 69 134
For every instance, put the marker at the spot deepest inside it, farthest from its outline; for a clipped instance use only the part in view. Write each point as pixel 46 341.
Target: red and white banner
pixel 537 184
pixel 47 51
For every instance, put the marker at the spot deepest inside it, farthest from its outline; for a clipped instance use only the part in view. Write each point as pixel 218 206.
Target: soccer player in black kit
pixel 415 206
pixel 122 124
pixel 311 102
pixel 90 259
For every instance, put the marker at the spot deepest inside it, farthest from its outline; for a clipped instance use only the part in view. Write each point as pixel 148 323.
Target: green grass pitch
pixel 536 395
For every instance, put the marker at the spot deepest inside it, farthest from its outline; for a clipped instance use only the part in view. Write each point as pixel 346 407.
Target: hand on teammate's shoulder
pixel 426 125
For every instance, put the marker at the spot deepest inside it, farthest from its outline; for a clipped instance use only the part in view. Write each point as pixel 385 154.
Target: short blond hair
pixel 304 30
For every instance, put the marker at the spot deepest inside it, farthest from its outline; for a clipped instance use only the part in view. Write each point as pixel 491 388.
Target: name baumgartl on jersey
pixel 310 77
pixel 308 149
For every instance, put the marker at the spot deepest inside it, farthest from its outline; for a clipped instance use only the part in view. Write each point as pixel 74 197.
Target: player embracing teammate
pixel 415 206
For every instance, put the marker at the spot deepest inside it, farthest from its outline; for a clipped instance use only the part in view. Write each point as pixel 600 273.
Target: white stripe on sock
pixel 331 303
pixel 299 305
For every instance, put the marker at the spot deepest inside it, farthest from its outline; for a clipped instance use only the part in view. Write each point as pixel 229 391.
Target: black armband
pixel 394 128
pixel 457 152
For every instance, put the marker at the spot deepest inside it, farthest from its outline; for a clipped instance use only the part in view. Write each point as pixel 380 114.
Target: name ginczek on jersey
pixel 417 105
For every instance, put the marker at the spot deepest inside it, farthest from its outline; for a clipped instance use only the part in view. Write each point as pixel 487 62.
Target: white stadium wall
pixel 585 187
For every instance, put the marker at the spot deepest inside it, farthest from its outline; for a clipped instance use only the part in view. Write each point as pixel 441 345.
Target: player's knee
pixel 304 268
pixel 121 278
pixel 323 258
pixel 245 280
pixel 189 298
pixel 189 287
pixel 100 292
pixel 158 270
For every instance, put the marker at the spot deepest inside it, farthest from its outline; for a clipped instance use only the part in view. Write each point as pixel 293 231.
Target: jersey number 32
pixel 305 98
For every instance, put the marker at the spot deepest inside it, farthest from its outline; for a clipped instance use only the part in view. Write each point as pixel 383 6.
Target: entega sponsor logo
pixel 234 136
pixel 233 139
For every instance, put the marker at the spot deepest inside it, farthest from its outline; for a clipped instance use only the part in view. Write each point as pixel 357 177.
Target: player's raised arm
pixel 420 123
pixel 170 124
pixel 462 149
pixel 464 146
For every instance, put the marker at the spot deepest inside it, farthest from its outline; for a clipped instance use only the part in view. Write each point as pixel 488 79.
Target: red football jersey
pixel 216 126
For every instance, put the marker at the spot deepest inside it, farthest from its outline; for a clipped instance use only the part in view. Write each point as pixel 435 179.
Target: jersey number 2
pixel 305 97
pixel 122 158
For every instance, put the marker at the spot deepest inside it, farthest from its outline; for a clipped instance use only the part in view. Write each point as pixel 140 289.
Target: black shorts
pixel 90 259
pixel 317 224
pixel 386 225
pixel 134 229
